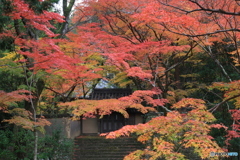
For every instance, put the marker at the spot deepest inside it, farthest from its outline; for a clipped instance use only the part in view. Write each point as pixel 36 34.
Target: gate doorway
pixel 111 122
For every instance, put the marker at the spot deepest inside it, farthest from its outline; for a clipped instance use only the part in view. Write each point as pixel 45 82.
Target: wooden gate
pixel 111 122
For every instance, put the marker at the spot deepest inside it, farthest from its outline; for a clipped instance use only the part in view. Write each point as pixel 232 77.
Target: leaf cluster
pixel 170 136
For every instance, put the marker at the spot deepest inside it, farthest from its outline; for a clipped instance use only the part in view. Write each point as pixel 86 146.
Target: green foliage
pixel 8 81
pixel 235 145
pixel 6 43
pixel 5 152
pixel 5 7
pixel 10 72
pixel 18 144
pixel 55 147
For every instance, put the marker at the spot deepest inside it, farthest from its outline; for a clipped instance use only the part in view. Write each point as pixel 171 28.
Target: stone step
pixel 99 148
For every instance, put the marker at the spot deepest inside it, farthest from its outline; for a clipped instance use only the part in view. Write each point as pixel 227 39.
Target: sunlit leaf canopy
pixel 181 59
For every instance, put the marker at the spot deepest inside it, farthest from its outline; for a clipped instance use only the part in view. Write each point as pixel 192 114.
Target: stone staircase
pixel 99 148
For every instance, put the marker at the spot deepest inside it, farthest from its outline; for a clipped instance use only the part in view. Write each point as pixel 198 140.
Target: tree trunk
pixel 35 144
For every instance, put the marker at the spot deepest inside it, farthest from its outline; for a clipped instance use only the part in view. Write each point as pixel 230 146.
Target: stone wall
pixel 72 129
pixel 69 128
pixel 90 126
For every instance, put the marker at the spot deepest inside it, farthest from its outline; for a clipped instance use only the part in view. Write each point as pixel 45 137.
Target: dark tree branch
pixel 201 8
pixel 221 103
pixel 201 35
pixel 181 60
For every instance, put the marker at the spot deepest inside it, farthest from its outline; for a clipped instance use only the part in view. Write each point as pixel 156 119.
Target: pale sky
pixel 58 6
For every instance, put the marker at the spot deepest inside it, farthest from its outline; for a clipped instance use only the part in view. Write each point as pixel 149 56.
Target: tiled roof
pixel 109 93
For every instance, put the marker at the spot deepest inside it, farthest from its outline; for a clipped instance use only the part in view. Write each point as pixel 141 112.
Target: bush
pixel 19 143
pixel 56 147
pixel 16 144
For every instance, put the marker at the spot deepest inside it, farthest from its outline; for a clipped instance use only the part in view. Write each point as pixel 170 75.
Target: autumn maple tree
pixel 143 53
pixel 216 23
pixel 27 26
pixel 181 58
pixel 151 44
pixel 175 135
